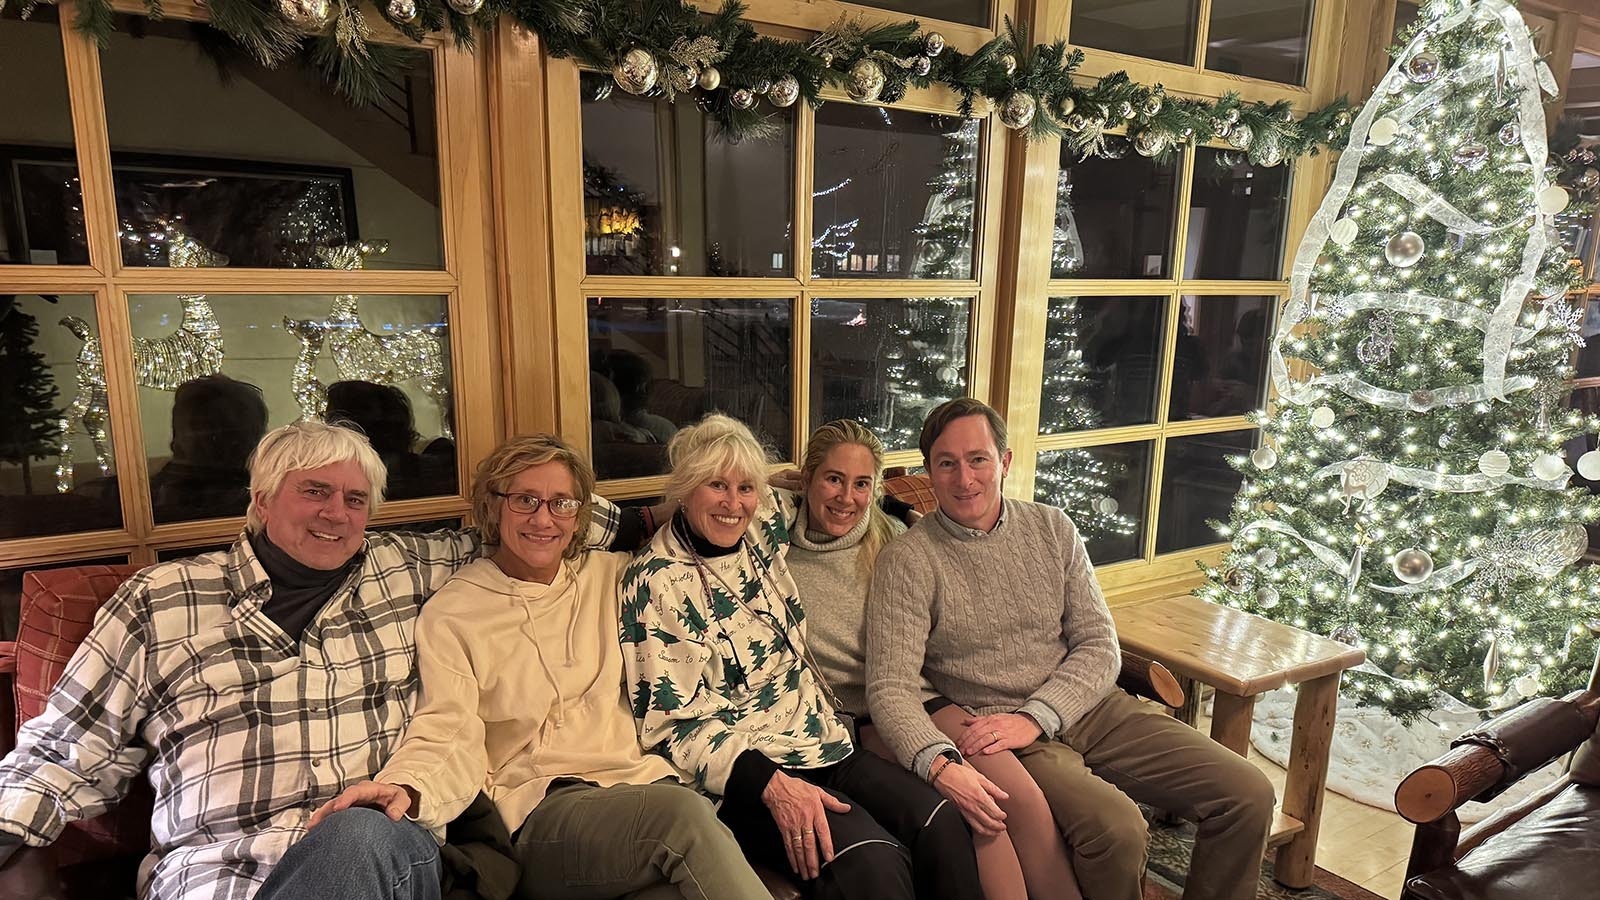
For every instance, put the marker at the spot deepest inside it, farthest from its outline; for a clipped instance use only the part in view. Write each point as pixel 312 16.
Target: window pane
pixel 423 526
pixel 887 363
pixel 894 194
pixel 56 456
pixel 1115 218
pixel 1577 141
pixel 41 204
pixel 1238 212
pixel 171 553
pixel 1104 490
pixel 1219 366
pixel 1198 485
pixel 1154 29
pixel 1406 14
pixel 1102 362
pixel 1259 40
pixel 276 166
pixel 657 365
pixel 217 372
pixel 686 202
pixel 11 588
pixel 967 12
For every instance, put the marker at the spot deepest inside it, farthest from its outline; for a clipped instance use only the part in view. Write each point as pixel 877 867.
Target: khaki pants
pixel 1123 750
pixel 656 841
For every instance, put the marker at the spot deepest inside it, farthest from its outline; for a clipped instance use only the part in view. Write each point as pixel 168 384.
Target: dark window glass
pixel 41 203
pixel 423 526
pixel 894 194
pixel 1102 362
pixel 277 165
pixel 1115 218
pixel 1577 134
pixel 1104 490
pixel 966 12
pixel 11 588
pixel 1154 29
pixel 1198 485
pixel 1238 212
pixel 56 456
pixel 171 553
pixel 1406 14
pixel 886 363
pixel 1219 367
pixel 218 371
pixel 656 365
pixel 1259 40
pixel 663 194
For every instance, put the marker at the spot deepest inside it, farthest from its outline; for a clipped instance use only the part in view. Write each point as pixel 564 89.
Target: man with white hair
pixel 254 684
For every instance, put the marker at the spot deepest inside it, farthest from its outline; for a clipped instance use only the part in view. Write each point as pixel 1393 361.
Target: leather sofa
pixel 1546 847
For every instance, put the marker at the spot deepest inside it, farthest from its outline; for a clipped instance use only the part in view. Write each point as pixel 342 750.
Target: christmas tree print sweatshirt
pixel 713 657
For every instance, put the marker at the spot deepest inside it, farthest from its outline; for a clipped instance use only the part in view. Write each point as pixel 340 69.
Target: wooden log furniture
pixel 1244 656
pixel 1546 846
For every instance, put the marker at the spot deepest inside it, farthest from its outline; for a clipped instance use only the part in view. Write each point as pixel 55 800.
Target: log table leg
pixel 1314 711
pixel 1230 721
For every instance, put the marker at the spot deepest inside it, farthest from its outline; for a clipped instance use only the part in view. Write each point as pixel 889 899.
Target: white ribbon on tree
pixel 1437 481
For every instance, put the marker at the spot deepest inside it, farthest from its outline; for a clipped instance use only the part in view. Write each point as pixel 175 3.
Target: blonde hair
pixel 716 444
pixel 837 433
pixel 512 458
pixel 311 445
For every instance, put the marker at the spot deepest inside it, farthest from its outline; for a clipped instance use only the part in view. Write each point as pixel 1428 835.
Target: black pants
pixel 900 840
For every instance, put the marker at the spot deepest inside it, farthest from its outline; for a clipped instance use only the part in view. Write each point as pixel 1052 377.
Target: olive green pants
pixel 1124 751
pixel 660 840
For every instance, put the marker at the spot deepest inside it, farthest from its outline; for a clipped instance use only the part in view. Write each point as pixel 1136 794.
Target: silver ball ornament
pixel 1589 465
pixel 1494 463
pixel 827 59
pixel 1405 249
pixel 1412 565
pixel 1471 156
pixel 1017 109
pixel 1240 137
pixel 1343 232
pixel 1322 417
pixel 1346 634
pixel 742 98
pixel 1106 506
pixel 785 91
pixel 466 7
pixel 1383 132
pixel 1550 467
pixel 1510 135
pixel 1150 143
pixel 1266 557
pixel 1267 597
pixel 1422 68
pixel 921 66
pixel 404 11
pixel 865 81
pixel 1152 105
pixel 1264 457
pixel 1009 64
pixel 306 15
pixel 933 43
pixel 1239 580
pixel 636 72
pixel 710 78
pixel 1587 180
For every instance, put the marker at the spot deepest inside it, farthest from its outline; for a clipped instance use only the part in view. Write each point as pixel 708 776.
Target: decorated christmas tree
pixel 1410 496
pixel 27 392
pixel 1075 479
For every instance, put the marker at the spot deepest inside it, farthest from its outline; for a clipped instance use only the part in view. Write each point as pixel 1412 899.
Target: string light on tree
pixel 1420 427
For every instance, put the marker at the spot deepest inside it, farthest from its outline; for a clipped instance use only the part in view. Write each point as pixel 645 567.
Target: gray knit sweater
pixel 1011 620
pixel 833 592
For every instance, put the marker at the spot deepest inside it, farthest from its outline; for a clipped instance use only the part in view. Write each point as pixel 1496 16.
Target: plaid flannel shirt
pixel 244 733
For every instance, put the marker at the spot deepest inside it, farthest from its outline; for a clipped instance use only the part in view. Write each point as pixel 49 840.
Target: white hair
pixel 310 445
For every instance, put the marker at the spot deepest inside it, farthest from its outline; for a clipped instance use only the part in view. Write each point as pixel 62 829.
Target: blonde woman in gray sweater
pixel 838 532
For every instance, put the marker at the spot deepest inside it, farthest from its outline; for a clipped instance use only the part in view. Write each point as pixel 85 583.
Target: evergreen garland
pixel 333 36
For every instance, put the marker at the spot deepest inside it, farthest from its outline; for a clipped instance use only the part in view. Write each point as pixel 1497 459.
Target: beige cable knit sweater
pixel 1008 621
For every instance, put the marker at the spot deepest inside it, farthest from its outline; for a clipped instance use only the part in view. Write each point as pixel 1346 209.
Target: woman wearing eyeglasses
pixel 714 642
pixel 522 698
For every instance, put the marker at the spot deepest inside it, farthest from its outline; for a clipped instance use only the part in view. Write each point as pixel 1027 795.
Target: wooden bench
pixel 1244 656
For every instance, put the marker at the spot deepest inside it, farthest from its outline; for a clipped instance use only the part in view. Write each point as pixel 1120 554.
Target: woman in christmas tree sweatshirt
pixel 522 698
pixel 714 642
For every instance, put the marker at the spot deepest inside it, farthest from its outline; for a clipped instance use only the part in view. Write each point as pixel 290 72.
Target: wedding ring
pixel 994 735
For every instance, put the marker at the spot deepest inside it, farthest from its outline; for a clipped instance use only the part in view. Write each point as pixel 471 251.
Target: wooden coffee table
pixel 1244 656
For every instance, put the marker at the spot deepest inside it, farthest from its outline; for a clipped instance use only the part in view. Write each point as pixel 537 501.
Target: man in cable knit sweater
pixel 996 603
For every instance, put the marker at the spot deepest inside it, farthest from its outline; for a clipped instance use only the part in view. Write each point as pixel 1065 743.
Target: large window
pixel 1265 39
pixel 239 248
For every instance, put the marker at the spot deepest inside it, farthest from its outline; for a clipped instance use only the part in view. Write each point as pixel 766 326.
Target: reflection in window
pixel 1576 141
pixel 967 12
pixel 168 554
pixel 11 588
pixel 218 371
pixel 1102 362
pixel 280 164
pixel 1198 485
pixel 1238 212
pixel 657 365
pixel 424 526
pixel 41 209
pixel 887 363
pixel 1115 218
pixel 1406 14
pixel 1259 40
pixel 1155 29
pixel 686 202
pixel 894 194
pixel 56 456
pixel 1220 361
pixel 1104 491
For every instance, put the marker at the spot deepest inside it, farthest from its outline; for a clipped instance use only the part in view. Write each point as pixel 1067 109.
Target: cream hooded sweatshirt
pixel 521 685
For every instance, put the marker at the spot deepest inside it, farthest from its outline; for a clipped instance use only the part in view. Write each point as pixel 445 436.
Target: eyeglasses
pixel 528 504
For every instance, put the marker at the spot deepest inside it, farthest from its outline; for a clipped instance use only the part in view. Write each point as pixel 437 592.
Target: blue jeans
pixel 358 854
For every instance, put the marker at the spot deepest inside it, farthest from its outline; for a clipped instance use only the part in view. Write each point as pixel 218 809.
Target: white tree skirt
pixel 1373 750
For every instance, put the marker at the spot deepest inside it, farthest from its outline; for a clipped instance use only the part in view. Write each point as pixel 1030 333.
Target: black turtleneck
pixel 298 591
pixel 705 548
